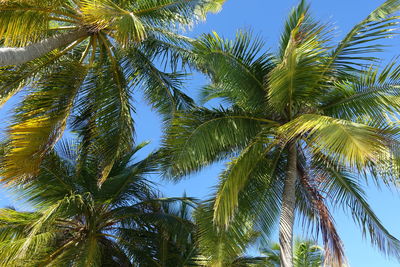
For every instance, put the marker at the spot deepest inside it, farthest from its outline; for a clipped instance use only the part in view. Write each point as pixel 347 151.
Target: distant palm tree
pixel 305 254
pixel 300 127
pixel 84 58
pixel 76 222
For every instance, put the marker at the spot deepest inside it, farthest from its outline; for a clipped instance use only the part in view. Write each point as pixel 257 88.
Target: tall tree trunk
pixel 288 207
pixel 20 55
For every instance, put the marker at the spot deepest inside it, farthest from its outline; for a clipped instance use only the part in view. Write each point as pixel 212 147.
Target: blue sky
pixel 266 19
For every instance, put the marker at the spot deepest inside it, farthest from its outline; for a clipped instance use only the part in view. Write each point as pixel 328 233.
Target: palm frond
pixel 123 25
pixel 232 65
pixel 22 22
pixel 238 174
pixel 374 95
pixel 298 78
pixel 35 130
pixel 211 134
pixel 186 13
pixel 348 143
pixel 222 247
pixel 345 190
pixel 356 47
pixel 103 116
pixel 161 89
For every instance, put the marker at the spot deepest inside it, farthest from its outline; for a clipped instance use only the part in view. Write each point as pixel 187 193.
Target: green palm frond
pixel 217 57
pixel 306 254
pixel 78 222
pixel 356 47
pixel 13 80
pixel 345 190
pixel 299 70
pixel 239 173
pixel 161 89
pixel 105 121
pixel 175 11
pixel 374 95
pixel 211 134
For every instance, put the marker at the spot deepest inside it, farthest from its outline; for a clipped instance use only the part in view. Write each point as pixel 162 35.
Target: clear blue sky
pixel 266 18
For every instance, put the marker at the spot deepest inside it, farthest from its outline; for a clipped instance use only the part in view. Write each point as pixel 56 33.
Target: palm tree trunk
pixel 288 207
pixel 20 55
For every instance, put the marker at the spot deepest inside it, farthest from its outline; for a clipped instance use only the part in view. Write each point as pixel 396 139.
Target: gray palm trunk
pixel 288 208
pixel 10 56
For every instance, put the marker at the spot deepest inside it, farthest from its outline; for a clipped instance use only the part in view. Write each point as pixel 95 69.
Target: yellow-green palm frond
pixel 240 172
pixel 24 22
pixel 349 143
pixel 298 74
pixel 36 130
pixel 32 238
pixel 184 12
pixel 122 24
pixel 15 79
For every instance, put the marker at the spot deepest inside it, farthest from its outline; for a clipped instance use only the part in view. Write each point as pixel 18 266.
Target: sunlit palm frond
pixel 164 12
pixel 298 75
pixel 35 130
pixel 239 173
pixel 122 24
pixel 347 142
pixel 23 22
pixel 14 79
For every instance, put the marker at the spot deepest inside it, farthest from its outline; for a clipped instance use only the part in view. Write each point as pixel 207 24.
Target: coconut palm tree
pixel 301 127
pixel 85 58
pixel 75 222
pixel 305 254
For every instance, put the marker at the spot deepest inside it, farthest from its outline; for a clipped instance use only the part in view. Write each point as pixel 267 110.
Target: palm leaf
pixel 35 131
pixel 211 134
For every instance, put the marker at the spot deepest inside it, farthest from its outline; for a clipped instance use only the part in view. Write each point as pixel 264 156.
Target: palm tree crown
pixel 85 58
pixel 301 127
pixel 78 223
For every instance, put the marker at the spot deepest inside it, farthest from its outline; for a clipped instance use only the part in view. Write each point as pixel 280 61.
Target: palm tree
pixel 301 127
pixel 84 58
pixel 76 222
pixel 305 254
